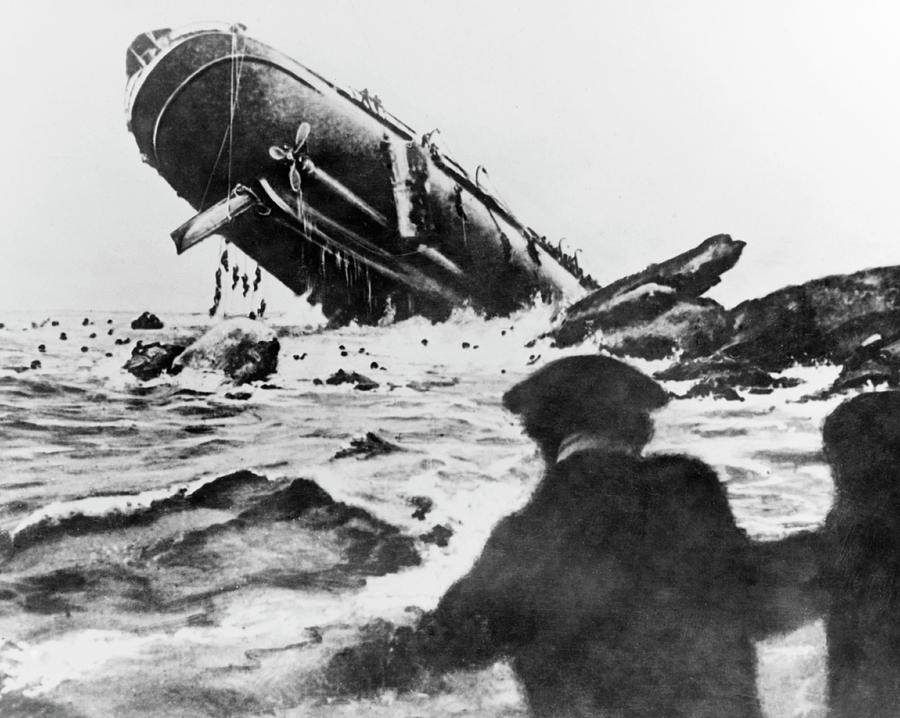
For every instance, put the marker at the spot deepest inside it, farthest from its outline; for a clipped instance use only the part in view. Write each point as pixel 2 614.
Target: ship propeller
pixel 292 155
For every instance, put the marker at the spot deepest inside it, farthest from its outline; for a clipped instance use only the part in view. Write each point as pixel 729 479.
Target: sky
pixel 633 129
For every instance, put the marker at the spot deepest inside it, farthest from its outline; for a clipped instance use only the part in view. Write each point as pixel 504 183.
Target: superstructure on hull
pixel 324 188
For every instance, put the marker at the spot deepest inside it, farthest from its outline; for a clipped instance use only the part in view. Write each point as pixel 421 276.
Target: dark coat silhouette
pixel 862 561
pixel 624 587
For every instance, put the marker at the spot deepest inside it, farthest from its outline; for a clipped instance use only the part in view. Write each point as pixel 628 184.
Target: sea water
pixel 82 437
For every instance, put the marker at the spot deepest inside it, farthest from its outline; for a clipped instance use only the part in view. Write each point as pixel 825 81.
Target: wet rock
pixel 439 535
pixel 363 383
pixel 149 361
pixel 695 327
pixel 288 503
pixel 36 364
pixel 229 491
pixel 816 321
pixel 243 349
pixel 63 336
pixel 367 447
pixel 715 389
pixel 645 295
pixel 147 321
pixel 875 363
pixel 238 395
pixel 42 348
pixel 725 370
pixel 423 506
pixel 646 347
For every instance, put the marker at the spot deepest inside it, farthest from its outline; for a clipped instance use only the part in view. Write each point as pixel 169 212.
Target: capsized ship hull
pixel 324 188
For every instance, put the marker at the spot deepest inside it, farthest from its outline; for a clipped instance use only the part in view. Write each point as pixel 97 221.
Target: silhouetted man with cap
pixel 620 589
pixel 624 587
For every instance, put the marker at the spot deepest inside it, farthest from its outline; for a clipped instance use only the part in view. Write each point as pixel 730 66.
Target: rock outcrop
pixel 147 320
pixel 641 297
pixel 693 327
pixel 149 361
pixel 821 320
pixel 875 363
pixel 368 446
pixel 243 349
pixel 724 370
pixel 361 382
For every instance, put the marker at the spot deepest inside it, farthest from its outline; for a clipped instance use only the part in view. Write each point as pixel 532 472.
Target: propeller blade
pixel 295 178
pixel 302 136
pixel 277 153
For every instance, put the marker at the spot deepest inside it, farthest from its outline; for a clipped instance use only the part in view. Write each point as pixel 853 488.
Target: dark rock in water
pixel 229 491
pixel 238 395
pixel 645 295
pixel 42 348
pixel 243 349
pixel 849 336
pixel 439 535
pixel 646 347
pixel 84 349
pixel 85 322
pixel 346 543
pixel 636 306
pixel 122 342
pixel 318 382
pixel 725 370
pixel 423 506
pixel 876 363
pixel 716 389
pixel 147 321
pixel 289 503
pixel 63 336
pixel 367 447
pixel 815 321
pixel 36 364
pixel 695 327
pixel 369 545
pixel 78 524
pixel 149 361
pixel 363 383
